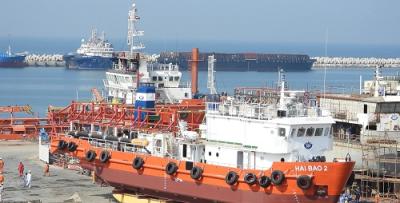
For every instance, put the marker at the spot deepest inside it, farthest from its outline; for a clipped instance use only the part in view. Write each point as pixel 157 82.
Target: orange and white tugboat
pixel 243 152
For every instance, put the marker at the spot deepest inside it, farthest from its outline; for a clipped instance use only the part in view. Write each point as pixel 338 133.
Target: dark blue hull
pixel 242 61
pixel 88 62
pixel 12 61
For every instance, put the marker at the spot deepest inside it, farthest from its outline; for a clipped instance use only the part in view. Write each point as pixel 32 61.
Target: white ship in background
pixel 95 53
pixel 133 68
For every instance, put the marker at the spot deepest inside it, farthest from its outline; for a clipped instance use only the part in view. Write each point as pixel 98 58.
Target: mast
pixel 282 80
pixel 133 33
pixel 9 50
pixel 211 75
pixel 378 77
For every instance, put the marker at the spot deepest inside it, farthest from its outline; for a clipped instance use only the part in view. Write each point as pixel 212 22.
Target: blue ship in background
pixel 95 53
pixel 9 59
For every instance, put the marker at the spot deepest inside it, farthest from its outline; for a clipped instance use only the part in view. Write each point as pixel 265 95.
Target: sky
pixel 361 22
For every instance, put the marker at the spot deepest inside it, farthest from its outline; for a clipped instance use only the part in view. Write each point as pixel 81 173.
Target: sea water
pixel 44 86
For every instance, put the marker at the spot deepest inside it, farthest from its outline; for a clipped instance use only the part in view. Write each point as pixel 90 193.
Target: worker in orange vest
pixel 1 185
pixel 1 178
pixel 21 169
pixel 1 164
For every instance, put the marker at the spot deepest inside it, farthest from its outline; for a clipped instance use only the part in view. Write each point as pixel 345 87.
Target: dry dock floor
pixel 58 187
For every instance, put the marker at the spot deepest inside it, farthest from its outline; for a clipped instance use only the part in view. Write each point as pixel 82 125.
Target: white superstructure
pixel 134 68
pixel 248 135
pixel 96 46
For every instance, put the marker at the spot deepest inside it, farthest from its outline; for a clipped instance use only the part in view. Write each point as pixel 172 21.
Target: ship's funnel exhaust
pixel 195 61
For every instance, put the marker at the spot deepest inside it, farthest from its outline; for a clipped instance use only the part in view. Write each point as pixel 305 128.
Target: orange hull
pixel 153 180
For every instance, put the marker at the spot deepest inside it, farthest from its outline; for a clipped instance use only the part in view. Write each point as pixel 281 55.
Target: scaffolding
pixel 379 176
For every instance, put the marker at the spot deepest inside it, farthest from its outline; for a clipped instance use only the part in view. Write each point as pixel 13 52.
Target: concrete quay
pixel 61 186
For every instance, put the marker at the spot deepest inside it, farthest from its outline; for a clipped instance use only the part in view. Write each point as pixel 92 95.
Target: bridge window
pixel 176 78
pixel 159 78
pixel 154 78
pixel 300 132
pixel 310 132
pixel 282 132
pixel 292 132
pixel 326 133
pixel 319 131
pixel 171 78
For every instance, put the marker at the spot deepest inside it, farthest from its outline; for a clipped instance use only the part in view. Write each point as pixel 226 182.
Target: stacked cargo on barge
pixel 242 61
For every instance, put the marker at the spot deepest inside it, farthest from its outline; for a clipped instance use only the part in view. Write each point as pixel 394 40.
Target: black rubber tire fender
pixel 105 156
pixel 62 145
pixel 171 168
pixel 304 182
pixel 72 146
pixel 196 173
pixel 277 177
pixel 90 155
pixel 264 181
pixel 231 178
pixel 250 178
pixel 183 115
pixel 137 163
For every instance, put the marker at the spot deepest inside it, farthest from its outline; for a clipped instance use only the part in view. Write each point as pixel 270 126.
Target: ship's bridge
pixel 294 134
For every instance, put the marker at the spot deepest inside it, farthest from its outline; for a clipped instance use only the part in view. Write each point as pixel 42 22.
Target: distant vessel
pixel 9 59
pixel 133 68
pixel 242 61
pixel 96 53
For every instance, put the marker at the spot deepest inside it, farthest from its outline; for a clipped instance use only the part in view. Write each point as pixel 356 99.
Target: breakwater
pixel 355 61
pixel 53 60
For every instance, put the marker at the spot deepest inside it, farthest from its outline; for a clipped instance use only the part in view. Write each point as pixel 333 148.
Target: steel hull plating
pixel 153 180
pixel 89 62
pixel 12 61
pixel 242 61
pixel 170 188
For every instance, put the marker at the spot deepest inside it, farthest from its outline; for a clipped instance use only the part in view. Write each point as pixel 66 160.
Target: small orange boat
pixel 18 128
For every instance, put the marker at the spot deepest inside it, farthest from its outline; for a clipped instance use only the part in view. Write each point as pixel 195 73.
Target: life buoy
pixel 62 145
pixel 304 182
pixel 277 177
pixel 104 156
pixel 137 163
pixel 196 173
pixel 90 155
pixel 250 178
pixel 171 168
pixel 264 181
pixel 231 178
pixel 72 146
